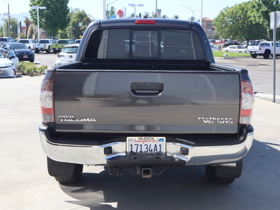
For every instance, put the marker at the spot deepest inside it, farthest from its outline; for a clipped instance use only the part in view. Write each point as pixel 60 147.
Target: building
pixel 208 27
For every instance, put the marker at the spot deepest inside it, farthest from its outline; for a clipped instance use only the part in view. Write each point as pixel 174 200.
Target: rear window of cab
pixel 145 44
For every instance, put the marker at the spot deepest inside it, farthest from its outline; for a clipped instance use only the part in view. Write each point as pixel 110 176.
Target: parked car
pixel 266 49
pixel 57 47
pixel 67 55
pixel 230 43
pixel 11 55
pixel 109 107
pixel 236 48
pixel 43 45
pixel 7 67
pixel 28 42
pixel 6 39
pixel 214 48
pixel 22 52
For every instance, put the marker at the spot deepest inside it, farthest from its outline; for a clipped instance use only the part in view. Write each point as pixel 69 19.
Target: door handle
pixel 146 88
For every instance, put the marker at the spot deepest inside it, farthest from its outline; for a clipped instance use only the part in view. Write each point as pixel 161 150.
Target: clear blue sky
pixel 211 8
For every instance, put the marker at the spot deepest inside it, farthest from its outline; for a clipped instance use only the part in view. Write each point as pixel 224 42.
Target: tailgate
pixel 146 102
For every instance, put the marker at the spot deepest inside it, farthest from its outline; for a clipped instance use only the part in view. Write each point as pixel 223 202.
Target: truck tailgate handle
pixel 146 88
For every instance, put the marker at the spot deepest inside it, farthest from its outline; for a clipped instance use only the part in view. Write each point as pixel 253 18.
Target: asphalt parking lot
pixel 25 183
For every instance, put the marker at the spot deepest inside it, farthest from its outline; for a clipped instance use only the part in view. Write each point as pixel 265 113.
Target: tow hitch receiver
pixel 146 173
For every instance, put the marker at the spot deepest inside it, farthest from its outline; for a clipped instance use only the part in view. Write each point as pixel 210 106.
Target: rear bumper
pixel 94 155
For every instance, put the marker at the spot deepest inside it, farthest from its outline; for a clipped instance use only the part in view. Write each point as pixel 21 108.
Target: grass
pixel 230 54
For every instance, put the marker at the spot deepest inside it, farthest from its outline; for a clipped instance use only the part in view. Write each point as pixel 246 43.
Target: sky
pixel 184 8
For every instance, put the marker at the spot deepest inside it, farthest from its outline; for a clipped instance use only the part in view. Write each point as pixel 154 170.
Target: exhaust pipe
pixel 146 172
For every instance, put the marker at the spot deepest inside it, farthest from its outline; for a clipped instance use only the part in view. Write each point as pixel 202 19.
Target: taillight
pixel 46 98
pixel 247 102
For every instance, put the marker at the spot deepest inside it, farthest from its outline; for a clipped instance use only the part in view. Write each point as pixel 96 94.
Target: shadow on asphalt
pixel 185 188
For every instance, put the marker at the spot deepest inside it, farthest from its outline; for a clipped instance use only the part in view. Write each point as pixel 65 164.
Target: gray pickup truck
pixel 144 95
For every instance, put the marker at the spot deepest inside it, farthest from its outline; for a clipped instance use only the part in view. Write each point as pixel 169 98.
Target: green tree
pixel 79 21
pixel 13 27
pixel 111 12
pixel 54 17
pixel 236 22
pixel 27 23
pixel 175 17
pixel 261 13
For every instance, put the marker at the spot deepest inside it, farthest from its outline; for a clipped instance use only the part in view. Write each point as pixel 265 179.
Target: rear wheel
pixel 65 172
pixel 253 56
pixel 223 175
pixel 266 54
pixel 36 51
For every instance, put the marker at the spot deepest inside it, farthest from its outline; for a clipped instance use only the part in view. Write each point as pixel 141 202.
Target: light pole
pixel 37 7
pixel 201 13
pixel 135 5
pixel 9 20
pixel 188 8
pixel 3 25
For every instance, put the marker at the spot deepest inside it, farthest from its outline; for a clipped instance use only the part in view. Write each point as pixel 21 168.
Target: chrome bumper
pixel 94 155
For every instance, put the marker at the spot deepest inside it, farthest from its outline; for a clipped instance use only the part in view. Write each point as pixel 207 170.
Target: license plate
pixel 25 56
pixel 253 52
pixel 146 144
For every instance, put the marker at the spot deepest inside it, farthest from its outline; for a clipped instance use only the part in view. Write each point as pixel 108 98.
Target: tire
pixel 36 51
pixel 223 174
pixel 253 55
pixel 15 74
pixel 266 54
pixel 78 170
pixel 212 176
pixel 32 61
pixel 54 51
pixel 64 172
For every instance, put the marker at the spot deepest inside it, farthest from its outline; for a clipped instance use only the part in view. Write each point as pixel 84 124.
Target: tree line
pixel 247 21
pixel 58 20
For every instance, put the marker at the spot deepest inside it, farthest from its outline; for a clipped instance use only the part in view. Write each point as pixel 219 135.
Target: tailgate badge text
pixel 216 120
pixel 72 118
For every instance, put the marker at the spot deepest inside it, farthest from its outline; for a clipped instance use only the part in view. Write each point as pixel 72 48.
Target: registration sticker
pixel 146 144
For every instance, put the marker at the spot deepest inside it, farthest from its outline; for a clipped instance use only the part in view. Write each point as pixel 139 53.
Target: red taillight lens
pixel 145 22
pixel 247 102
pixel 46 98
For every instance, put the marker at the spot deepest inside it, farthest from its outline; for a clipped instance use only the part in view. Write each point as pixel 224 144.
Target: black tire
pixel 253 55
pixel 36 51
pixel 64 172
pixel 212 176
pixel 54 51
pixel 78 170
pixel 266 54
pixel 32 61
pixel 15 74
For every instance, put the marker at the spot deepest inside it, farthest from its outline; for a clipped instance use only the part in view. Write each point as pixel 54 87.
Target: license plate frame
pixel 151 145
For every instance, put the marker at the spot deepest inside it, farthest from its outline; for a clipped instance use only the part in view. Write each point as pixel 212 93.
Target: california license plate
pixel 25 56
pixel 146 144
